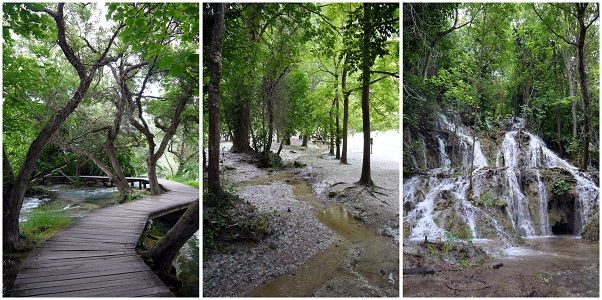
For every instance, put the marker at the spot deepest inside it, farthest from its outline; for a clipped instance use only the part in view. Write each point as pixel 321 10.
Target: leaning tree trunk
pixel 215 56
pixel 12 204
pixel 365 178
pixel 119 179
pixel 162 254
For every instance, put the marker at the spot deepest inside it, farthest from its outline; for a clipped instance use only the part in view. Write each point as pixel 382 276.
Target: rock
pixel 332 194
pixel 591 230
pixel 411 250
pixel 498 265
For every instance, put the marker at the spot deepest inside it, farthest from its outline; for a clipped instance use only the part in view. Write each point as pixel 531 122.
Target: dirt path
pixel 320 249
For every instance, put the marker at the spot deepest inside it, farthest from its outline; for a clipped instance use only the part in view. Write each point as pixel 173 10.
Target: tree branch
pixel 552 30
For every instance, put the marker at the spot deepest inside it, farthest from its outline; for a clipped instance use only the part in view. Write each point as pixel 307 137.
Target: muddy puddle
pixel 360 255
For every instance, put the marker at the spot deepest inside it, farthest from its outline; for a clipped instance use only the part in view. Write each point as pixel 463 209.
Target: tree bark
pixel 241 131
pixel 215 56
pixel 336 113
pixel 345 112
pixel 153 180
pixel 163 253
pixel 558 119
pixel 331 131
pixel 305 138
pixel 365 178
pixel 581 7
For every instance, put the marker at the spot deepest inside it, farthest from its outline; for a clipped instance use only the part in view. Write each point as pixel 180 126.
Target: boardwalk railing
pixel 139 182
pixel 96 256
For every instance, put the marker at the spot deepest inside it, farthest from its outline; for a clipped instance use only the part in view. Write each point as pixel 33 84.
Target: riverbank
pixel 324 246
pixel 561 266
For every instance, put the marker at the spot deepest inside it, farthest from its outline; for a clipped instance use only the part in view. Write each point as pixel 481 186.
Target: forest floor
pixel 561 266
pixel 332 238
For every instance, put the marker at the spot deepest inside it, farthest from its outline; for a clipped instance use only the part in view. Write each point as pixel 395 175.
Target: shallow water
pixel 568 263
pixel 77 200
pixel 360 251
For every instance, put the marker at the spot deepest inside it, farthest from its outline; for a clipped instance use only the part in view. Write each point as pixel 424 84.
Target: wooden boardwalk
pixel 95 257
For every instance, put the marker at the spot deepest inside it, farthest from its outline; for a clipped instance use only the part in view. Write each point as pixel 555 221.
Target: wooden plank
pixel 82 268
pixel 82 281
pixel 96 256
pixel 90 273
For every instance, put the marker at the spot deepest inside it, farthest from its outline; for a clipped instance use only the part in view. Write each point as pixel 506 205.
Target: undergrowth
pixel 228 218
pixel 43 222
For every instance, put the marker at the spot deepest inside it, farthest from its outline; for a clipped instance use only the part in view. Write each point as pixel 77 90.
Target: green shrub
pixel 560 187
pixel 129 197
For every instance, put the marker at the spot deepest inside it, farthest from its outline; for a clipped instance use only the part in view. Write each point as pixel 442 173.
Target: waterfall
pixel 519 208
pixel 586 190
pixel 443 158
pixel 520 161
pixel 543 206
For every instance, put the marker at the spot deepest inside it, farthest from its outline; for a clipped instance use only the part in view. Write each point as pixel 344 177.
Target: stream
pixel 359 252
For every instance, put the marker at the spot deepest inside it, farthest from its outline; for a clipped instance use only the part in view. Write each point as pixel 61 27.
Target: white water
pixel 443 157
pixel 423 193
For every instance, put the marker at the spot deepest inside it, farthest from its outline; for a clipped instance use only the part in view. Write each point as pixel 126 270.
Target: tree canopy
pixel 493 61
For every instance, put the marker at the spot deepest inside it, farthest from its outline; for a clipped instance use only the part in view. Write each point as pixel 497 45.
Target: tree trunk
pixel 336 112
pixel 151 165
pixel 12 203
pixel 558 122
pixel 305 138
pixel 345 112
pixel 270 108
pixel 163 253
pixel 365 178
pixel 581 7
pixel 330 132
pixel 119 179
pixel 241 133
pixel 215 57
pixel 280 146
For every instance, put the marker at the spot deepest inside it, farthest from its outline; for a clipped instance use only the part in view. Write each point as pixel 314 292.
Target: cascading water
pixel 443 157
pixel 516 186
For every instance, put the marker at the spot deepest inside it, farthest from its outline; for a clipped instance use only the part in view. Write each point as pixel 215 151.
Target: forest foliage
pixel 283 66
pixel 489 62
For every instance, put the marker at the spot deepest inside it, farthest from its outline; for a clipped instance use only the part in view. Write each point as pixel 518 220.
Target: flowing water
pixel 425 195
pixel 544 266
pixel 360 251
pixel 75 199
